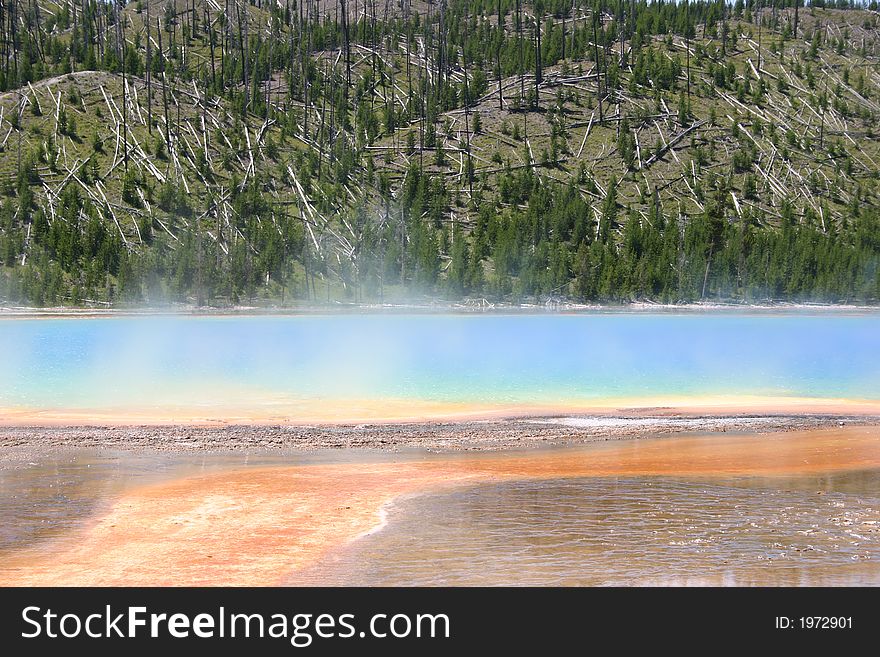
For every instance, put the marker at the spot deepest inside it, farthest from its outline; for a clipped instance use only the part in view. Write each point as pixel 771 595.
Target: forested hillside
pixel 221 152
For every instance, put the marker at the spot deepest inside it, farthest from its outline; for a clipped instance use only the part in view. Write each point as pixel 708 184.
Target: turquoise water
pixel 536 358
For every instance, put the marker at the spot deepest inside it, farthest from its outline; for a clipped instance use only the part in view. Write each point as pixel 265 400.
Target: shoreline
pixel 263 525
pixel 492 435
pixel 429 307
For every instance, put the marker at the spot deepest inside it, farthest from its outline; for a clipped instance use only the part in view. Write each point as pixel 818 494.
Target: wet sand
pixel 261 526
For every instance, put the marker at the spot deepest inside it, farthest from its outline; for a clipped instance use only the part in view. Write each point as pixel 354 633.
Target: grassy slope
pixel 808 177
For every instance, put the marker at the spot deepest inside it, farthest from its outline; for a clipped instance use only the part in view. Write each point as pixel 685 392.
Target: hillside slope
pixel 301 152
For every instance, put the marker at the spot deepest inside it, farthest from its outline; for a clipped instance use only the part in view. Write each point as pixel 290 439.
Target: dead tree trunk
pixel 164 88
pixel 149 73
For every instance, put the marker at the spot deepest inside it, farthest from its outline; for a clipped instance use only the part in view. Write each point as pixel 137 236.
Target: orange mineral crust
pixel 257 526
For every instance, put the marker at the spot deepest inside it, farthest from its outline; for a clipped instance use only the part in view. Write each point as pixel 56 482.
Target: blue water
pixel 46 363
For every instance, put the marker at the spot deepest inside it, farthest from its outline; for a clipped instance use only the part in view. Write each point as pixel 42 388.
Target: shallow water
pixel 50 496
pixel 260 361
pixel 790 531
pixel 790 508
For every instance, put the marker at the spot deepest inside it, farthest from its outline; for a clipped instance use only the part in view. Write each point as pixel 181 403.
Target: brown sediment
pixel 263 410
pixel 255 527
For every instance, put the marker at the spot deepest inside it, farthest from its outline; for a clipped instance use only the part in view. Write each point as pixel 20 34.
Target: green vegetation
pixel 226 152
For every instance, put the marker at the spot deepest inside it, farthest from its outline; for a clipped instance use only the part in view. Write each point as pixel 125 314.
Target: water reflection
pixel 820 530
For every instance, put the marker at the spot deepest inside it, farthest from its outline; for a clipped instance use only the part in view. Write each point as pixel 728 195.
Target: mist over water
pixel 160 361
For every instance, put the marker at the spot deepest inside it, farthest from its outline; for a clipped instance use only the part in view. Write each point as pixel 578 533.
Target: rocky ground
pixel 17 442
